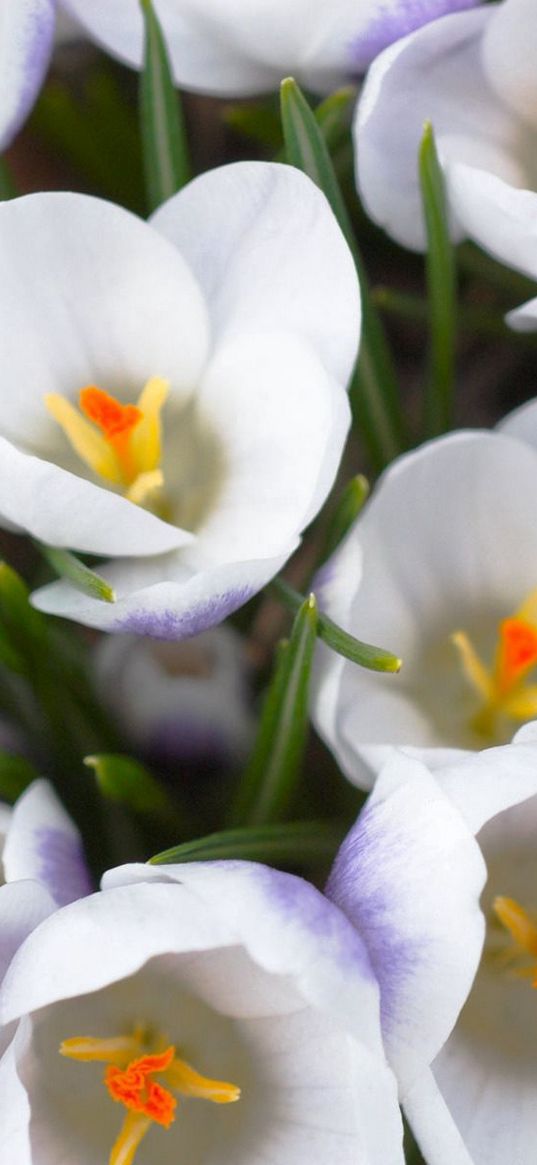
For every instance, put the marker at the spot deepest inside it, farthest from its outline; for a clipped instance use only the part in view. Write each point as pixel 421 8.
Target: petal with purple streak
pixel 26 38
pixel 393 19
pixel 44 845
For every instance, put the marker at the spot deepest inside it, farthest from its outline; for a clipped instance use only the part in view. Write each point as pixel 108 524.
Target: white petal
pixel 269 255
pixel 282 422
pixel 61 509
pixel 44 844
pixel 26 37
pixel 23 905
pixel 521 423
pixel 435 75
pixel 501 219
pixel 15 1140
pixel 91 295
pixel 409 876
pixel 288 927
pixel 487 783
pixel 508 57
pixel 433 1125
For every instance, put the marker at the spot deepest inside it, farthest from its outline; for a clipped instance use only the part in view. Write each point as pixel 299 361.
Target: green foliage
pixel 165 150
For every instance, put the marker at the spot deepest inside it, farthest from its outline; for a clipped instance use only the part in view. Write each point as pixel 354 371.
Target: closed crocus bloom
pixel 26 39
pixel 42 865
pixel 439 877
pixel 179 702
pixel 441 567
pixel 471 74
pixel 212 1013
pixel 245 47
pixel 180 397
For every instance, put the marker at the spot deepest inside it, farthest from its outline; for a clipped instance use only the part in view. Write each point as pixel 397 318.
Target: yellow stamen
pixel 501 687
pixel 133 1130
pixel 118 442
pixel 133 1062
pixel 523 931
pixel 186 1080
pixel 118 1050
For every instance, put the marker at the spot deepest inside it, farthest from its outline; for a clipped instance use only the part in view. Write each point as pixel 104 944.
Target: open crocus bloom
pixel 439 876
pixel 185 702
pixel 471 74
pixel 213 1013
pixel 244 47
pixel 26 39
pixel 456 600
pixel 42 865
pixel 180 394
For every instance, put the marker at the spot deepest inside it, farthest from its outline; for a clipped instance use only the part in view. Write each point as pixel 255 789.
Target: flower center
pixel 521 952
pixel 119 443
pixel 502 688
pixel 133 1063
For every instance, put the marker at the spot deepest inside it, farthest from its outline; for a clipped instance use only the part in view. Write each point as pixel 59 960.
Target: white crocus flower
pixel 241 47
pixel 212 1013
pixel 26 39
pixel 180 397
pixel 472 75
pixel 42 865
pixel 441 567
pixel 179 702
pixel 439 876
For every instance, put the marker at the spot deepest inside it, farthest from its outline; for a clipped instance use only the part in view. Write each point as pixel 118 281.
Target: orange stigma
pixel 132 1087
pixel 116 422
pixel 503 688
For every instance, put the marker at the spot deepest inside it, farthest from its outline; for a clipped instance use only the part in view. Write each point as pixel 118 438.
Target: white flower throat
pixel 121 444
pixel 503 688
pixel 143 1072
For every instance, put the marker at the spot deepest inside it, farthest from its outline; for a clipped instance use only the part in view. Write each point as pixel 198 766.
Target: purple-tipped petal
pixel 44 845
pixel 393 19
pixel 26 37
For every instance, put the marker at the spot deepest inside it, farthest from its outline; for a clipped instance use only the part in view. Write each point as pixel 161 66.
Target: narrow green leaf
pixel 68 566
pixel 374 393
pixel 8 188
pixel 350 504
pixel 334 116
pixel 165 149
pixel 442 290
pixel 23 627
pixel 291 843
pixel 16 773
pixel 271 775
pixel 364 654
pixel 127 782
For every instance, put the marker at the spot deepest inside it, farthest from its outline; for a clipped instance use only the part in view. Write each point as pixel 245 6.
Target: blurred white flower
pixel 441 568
pixel 217 1012
pixel 179 702
pixel 180 397
pixel 472 75
pixel 241 47
pixel 439 876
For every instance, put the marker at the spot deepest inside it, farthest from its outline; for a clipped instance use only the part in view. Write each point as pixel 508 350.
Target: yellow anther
pixel 187 1081
pixel 502 688
pixel 523 932
pixel 118 442
pixel 119 1050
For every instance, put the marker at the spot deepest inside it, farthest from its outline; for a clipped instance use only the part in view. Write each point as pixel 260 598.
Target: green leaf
pixel 271 775
pixel 127 782
pixel 22 628
pixel 364 654
pixel 374 393
pixel 8 188
pixel 165 149
pixel 350 504
pixel 442 290
pixel 334 116
pixel 292 843
pixel 68 566
pixel 16 773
